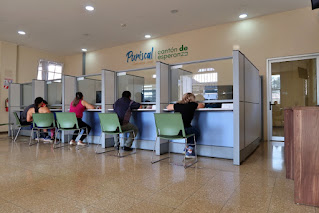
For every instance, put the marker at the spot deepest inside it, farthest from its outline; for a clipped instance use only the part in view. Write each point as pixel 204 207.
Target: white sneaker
pixel 72 143
pixel 81 143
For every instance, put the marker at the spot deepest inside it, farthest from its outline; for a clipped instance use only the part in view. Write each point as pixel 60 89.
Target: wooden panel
pixel 306 166
pixel 289 143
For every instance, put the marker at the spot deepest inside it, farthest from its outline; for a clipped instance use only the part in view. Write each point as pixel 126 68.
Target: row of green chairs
pixel 169 126
pixel 64 121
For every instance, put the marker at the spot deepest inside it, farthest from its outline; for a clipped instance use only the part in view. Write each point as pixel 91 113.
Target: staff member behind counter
pixel 78 106
pixel 187 107
pixel 39 106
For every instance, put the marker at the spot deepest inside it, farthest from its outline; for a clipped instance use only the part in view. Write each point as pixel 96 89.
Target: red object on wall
pixel 6 104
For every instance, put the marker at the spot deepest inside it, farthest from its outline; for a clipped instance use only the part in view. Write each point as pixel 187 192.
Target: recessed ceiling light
pixel 174 11
pixel 21 32
pixel 243 16
pixel 89 8
pixel 148 36
pixel 84 50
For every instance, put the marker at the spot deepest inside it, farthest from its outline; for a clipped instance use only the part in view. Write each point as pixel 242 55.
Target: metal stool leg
pixel 155 150
pixel 195 150
pixel 17 134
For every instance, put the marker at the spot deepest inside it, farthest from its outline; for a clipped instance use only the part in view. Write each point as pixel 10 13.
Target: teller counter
pixel 91 117
pixel 216 133
pixel 144 120
pixel 215 126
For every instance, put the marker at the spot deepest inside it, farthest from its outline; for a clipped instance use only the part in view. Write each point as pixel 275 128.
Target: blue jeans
pixel 192 130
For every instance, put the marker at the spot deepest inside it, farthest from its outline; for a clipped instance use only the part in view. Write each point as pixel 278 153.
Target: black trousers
pixel 81 125
pixel 25 123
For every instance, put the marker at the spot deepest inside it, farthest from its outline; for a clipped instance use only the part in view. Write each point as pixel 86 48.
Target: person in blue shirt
pixel 123 108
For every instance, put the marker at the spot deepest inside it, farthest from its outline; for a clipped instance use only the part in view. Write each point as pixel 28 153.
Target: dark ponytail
pixel 78 97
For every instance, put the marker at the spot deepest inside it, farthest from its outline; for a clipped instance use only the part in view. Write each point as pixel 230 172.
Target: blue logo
pixel 139 56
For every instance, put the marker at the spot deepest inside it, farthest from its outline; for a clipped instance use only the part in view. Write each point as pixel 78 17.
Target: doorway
pixel 292 81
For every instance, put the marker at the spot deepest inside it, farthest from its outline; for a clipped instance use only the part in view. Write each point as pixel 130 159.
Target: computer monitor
pixel 98 97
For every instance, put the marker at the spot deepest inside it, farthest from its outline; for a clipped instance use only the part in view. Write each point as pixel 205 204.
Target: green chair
pixel 169 126
pixel 40 122
pixel 110 125
pixel 66 121
pixel 19 125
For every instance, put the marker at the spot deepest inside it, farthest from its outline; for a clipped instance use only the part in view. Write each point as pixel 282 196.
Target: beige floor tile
pixel 172 198
pixel 252 200
pixel 201 205
pixel 91 209
pixel 40 179
pixel 19 192
pixel 179 211
pixel 138 191
pixel 116 203
pixel 86 195
pixel 9 207
pixel 259 181
pixel 283 205
pixel 147 207
pixel 186 188
pixel 48 202
pixel 241 209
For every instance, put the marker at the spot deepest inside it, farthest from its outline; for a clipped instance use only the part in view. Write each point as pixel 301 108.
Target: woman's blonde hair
pixel 187 97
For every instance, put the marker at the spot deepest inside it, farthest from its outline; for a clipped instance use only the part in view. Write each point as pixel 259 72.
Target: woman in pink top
pixel 78 105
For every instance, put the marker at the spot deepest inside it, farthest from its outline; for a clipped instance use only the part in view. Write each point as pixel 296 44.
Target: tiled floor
pixel 40 179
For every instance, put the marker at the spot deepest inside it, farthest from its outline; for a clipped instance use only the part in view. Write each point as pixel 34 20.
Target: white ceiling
pixel 60 25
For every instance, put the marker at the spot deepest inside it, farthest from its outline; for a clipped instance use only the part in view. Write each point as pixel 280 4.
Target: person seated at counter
pixel 78 106
pixel 187 107
pixel 39 106
pixel 123 108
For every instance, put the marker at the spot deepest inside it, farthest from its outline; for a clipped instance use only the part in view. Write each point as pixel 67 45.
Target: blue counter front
pixel 92 119
pixel 216 128
pixel 145 122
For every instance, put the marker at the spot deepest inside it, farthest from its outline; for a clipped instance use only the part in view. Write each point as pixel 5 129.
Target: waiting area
pixel 40 179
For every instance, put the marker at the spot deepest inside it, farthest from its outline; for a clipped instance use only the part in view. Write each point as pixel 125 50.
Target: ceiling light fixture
pixel 242 16
pixel 21 32
pixel 84 50
pixel 174 11
pixel 148 36
pixel 89 8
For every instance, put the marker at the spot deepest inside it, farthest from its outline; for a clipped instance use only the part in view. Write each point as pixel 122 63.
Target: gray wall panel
pixel 15 95
pixel 38 89
pixel 252 122
pixel 69 91
pixel 110 85
pixel 252 89
pixel 241 70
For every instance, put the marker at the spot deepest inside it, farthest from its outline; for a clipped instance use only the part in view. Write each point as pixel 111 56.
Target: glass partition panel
pixel 91 88
pixel 27 94
pixel 54 92
pixel 141 84
pixel 210 81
